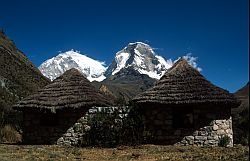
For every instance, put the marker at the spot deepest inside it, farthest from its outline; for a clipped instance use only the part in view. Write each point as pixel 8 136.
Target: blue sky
pixel 215 31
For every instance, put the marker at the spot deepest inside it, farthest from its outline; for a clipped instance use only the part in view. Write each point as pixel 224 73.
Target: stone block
pixel 229 131
pixel 203 133
pixel 200 138
pixel 68 134
pixel 220 132
pixel 195 133
pixel 210 138
pixel 184 142
pixel 218 122
pixel 188 138
pixel 67 143
pixel 199 143
pixel 210 143
pixel 224 126
pixel 215 127
pixel 87 128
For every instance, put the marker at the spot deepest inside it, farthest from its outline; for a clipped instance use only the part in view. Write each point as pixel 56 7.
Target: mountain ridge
pixel 54 67
pixel 18 75
pixel 142 58
pixel 138 55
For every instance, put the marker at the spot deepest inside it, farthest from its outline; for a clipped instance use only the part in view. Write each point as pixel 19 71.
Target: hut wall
pixel 35 132
pixel 209 125
pixel 77 133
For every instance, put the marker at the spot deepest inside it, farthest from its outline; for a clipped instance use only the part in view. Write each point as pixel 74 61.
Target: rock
pixel 203 133
pixel 220 132
pixel 218 122
pixel 188 138
pixel 184 142
pixel 229 131
pixel 67 143
pixel 224 126
pixel 87 128
pixel 67 134
pixel 199 143
pixel 210 138
pixel 200 138
pixel 210 143
pixel 60 141
pixel 70 130
pixel 215 127
pixel 195 133
pixel 78 127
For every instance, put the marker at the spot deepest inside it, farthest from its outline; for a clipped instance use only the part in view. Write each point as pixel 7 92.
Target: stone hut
pixel 51 112
pixel 184 108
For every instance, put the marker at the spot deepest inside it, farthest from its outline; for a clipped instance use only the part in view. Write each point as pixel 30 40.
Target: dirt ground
pixel 143 152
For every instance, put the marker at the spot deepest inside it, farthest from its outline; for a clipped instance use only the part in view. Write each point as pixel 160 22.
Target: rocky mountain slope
pixel 243 95
pixel 18 76
pixel 125 84
pixel 133 69
pixel 140 57
pixel 240 117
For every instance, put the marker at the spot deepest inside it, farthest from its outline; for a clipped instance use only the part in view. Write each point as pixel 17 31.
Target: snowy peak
pixel 56 66
pixel 136 56
pixel 142 58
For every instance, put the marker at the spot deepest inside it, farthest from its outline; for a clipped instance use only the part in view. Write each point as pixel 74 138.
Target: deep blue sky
pixel 215 31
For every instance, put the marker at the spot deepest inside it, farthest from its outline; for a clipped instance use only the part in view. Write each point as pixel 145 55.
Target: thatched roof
pixel 183 84
pixel 71 90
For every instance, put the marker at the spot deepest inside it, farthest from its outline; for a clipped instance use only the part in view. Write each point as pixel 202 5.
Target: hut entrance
pixel 183 118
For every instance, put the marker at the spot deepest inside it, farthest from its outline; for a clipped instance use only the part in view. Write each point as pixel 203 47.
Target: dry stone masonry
pixel 210 135
pixel 208 128
pixel 159 129
pixel 78 133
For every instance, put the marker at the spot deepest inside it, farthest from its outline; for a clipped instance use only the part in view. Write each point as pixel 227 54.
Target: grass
pixel 144 152
pixel 8 134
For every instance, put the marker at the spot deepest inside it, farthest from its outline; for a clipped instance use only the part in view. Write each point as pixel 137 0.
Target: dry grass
pixel 8 134
pixel 145 152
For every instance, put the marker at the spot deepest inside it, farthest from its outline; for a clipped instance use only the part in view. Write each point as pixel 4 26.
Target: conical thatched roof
pixel 183 84
pixel 71 90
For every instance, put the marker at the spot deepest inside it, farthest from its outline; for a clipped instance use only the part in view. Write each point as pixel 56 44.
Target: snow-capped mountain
pixel 136 56
pixel 142 58
pixel 56 66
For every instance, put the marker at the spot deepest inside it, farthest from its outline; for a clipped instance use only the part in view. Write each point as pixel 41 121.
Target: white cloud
pixel 191 60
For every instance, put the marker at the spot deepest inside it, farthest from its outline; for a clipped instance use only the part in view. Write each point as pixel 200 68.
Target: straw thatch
pixel 183 84
pixel 71 90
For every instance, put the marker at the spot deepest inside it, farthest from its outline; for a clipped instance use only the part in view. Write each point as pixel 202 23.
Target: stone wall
pixel 34 132
pixel 78 133
pixel 211 134
pixel 210 125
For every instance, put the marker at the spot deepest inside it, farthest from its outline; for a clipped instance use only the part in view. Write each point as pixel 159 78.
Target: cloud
pixel 191 60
